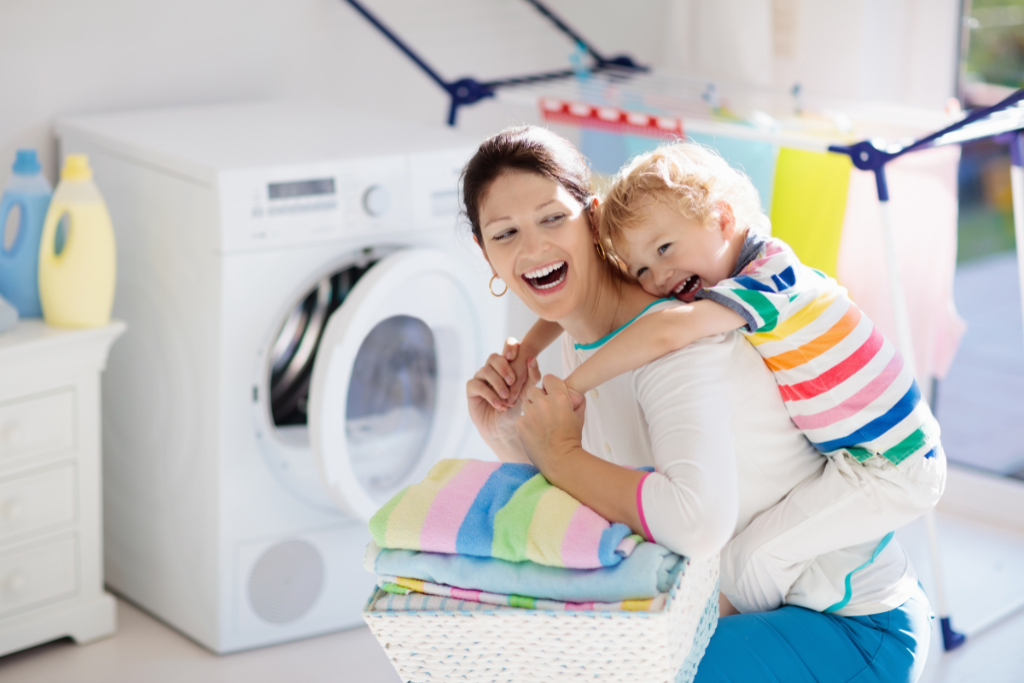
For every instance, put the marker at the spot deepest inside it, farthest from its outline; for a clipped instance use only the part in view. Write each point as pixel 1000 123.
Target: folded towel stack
pixel 507 511
pixel 501 534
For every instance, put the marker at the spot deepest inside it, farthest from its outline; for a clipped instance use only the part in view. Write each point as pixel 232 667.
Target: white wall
pixel 75 56
pixel 895 51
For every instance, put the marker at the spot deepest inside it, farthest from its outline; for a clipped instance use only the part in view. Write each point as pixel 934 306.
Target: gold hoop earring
pixel 490 286
pixel 600 251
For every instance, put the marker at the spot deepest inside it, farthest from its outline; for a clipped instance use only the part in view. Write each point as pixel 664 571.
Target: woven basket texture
pixel 521 645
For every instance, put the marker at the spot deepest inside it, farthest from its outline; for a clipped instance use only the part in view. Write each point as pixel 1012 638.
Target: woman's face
pixel 538 239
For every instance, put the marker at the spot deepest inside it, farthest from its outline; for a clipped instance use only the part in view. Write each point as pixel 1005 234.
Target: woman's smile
pixel 548 278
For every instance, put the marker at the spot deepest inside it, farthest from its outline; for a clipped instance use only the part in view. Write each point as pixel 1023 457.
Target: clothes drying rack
pixel 620 95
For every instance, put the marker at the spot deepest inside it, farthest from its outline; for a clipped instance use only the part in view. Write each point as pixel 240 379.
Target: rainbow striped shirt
pixel 845 385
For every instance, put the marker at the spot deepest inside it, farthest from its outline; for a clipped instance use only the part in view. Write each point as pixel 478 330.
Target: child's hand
pixel 576 398
pixel 518 363
pixel 576 392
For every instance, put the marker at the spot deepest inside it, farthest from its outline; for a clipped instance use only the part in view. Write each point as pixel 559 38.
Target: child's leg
pixel 848 504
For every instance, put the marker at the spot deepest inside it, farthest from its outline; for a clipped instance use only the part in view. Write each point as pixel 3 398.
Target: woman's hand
pixel 550 427
pixel 494 407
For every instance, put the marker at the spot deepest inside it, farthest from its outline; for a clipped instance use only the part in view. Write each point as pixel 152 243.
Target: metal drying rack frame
pixel 469 90
pixel 1003 121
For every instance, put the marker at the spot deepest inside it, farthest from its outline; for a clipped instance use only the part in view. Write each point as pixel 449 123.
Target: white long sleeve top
pixel 711 422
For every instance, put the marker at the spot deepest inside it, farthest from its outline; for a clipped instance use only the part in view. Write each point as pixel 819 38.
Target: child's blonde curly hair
pixel 687 176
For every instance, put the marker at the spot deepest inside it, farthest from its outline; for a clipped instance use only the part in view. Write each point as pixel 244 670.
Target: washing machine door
pixel 387 397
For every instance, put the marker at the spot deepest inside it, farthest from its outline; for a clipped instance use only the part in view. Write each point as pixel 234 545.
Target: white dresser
pixel 51 545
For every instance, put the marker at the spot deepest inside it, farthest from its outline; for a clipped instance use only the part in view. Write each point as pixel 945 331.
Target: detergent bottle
pixel 22 211
pixel 77 258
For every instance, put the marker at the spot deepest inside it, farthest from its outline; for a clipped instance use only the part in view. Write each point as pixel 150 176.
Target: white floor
pixel 982 569
pixel 983 566
pixel 146 651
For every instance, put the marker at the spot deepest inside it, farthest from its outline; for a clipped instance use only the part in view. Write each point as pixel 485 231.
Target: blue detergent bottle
pixel 22 212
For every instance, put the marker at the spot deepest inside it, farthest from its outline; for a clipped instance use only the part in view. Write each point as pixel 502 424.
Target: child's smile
pixel 687 289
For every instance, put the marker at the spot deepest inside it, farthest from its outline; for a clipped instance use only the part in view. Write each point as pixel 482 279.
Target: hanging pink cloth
pixel 923 206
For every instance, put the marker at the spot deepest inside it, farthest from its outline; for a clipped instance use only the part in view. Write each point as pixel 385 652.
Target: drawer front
pixel 37 425
pixel 30 578
pixel 36 501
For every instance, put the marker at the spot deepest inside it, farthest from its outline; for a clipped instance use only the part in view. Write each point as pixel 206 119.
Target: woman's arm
pixel 551 433
pixel 691 500
pixel 652 337
pixel 689 504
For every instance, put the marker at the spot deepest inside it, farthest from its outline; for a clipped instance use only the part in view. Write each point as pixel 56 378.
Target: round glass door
pixel 387 397
pixel 391 397
pixel 297 342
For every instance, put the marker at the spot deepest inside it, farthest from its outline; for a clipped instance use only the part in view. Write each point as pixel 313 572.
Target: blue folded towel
pixel 649 570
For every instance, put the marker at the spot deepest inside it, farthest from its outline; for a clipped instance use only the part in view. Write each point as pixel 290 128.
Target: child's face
pixel 671 255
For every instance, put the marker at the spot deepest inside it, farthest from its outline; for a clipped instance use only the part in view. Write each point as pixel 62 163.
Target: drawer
pixel 36 501
pixel 32 577
pixel 37 425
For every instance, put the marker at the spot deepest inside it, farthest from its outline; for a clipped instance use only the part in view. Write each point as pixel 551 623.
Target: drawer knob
pixel 16 584
pixel 10 434
pixel 12 510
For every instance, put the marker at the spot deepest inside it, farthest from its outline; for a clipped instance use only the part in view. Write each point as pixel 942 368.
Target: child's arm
pixel 538 338
pixel 651 337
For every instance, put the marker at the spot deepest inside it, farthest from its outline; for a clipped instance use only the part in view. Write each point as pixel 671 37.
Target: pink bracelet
pixel 640 507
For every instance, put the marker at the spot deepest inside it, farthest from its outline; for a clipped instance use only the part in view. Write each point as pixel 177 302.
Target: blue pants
pixel 794 645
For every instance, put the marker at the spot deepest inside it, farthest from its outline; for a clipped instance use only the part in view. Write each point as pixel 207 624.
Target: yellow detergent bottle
pixel 77 257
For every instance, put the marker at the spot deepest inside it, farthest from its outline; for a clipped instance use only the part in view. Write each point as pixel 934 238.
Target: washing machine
pixel 303 312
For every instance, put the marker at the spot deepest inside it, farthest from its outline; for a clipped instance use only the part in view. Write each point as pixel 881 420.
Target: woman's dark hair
pixel 523 148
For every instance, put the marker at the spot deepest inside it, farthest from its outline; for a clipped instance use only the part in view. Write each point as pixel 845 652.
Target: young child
pixel 688 226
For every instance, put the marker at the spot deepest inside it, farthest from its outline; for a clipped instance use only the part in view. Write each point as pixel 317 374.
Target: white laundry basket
pixel 515 645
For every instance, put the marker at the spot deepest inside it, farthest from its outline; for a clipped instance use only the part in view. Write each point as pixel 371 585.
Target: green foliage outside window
pixel 995 53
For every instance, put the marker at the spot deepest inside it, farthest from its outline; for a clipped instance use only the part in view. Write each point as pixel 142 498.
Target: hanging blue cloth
pixel 754 157
pixel 607 152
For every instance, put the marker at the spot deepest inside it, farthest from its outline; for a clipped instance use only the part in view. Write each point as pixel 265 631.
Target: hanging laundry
pixel 923 207
pixel 605 151
pixel 638 144
pixel 756 158
pixel 809 202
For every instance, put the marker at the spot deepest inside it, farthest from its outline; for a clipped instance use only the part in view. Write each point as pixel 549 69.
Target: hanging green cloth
pixel 809 204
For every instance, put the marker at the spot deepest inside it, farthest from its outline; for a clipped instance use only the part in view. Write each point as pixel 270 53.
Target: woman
pixel 708 418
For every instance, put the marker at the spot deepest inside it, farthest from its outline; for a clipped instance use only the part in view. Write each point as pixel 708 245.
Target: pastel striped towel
pixel 402 586
pixel 504 510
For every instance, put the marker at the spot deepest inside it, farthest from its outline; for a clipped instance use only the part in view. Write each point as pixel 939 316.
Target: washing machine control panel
pixel 278 206
pixel 308 203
